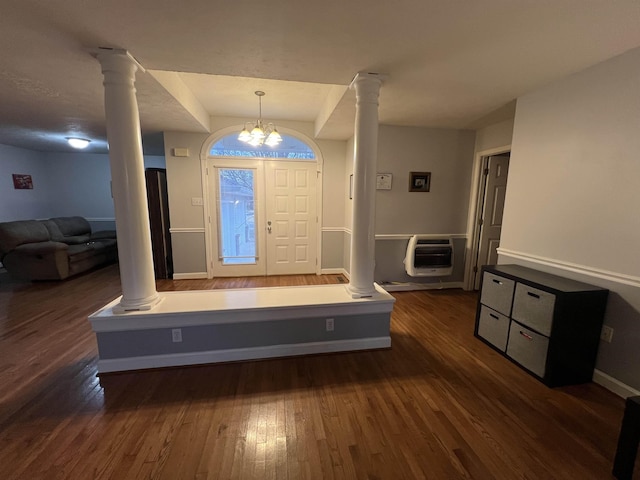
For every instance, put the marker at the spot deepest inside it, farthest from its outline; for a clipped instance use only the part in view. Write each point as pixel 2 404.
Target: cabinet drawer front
pixel 497 292
pixel 528 348
pixel 533 308
pixel 493 327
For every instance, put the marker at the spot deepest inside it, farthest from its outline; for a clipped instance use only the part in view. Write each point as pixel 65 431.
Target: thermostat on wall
pixel 383 181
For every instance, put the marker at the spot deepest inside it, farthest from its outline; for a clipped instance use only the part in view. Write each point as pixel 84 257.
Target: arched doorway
pixel 263 206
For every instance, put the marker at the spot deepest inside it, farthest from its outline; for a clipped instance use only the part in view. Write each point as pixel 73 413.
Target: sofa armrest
pixel 40 248
pixel 38 261
pixel 102 234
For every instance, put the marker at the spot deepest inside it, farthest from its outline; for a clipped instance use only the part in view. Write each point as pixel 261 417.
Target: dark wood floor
pixel 439 404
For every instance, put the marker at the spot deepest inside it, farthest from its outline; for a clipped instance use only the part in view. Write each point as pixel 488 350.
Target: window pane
pixel 290 148
pixel 237 218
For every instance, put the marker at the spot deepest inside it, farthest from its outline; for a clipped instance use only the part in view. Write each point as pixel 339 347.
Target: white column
pixel 128 183
pixel 363 224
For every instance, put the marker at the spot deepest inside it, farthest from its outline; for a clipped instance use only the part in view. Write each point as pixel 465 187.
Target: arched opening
pixel 263 205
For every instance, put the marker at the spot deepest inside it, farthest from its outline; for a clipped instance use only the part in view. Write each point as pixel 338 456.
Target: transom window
pixel 290 148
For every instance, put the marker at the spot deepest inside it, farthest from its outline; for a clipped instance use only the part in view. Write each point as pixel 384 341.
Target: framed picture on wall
pixel 419 181
pixel 22 181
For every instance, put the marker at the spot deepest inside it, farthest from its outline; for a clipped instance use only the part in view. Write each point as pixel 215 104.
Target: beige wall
pixel 494 136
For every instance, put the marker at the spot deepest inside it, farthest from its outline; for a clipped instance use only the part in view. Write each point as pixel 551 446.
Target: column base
pixel 361 292
pixel 142 305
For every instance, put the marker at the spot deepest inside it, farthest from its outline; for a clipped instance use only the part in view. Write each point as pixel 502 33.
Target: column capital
pixel 367 86
pixel 368 77
pixel 116 60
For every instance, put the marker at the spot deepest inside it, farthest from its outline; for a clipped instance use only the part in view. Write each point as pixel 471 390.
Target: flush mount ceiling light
pixel 79 143
pixel 261 133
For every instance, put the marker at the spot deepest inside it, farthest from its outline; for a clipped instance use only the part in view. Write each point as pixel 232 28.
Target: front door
pixel 291 217
pixel 264 217
pixel 496 172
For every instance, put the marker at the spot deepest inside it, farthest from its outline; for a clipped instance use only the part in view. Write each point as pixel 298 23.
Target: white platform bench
pixel 210 326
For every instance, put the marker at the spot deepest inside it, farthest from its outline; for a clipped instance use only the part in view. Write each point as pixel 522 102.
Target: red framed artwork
pixel 22 182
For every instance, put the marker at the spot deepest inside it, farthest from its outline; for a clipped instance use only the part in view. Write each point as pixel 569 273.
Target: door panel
pixel 492 211
pixel 291 209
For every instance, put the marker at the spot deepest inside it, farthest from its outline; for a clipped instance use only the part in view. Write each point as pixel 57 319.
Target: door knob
pixel 269 226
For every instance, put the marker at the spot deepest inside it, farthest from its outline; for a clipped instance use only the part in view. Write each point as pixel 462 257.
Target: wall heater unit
pixel 429 257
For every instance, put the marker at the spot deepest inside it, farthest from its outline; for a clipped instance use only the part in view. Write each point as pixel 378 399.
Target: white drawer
pixel 497 293
pixel 493 327
pixel 534 308
pixel 528 348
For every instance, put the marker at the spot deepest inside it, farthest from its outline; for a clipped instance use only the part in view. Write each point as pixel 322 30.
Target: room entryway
pixel 264 217
pixel 491 207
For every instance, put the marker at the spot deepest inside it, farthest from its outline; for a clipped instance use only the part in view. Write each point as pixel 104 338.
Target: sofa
pixel 54 249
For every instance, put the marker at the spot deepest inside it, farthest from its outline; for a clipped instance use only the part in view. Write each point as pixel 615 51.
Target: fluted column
pixel 128 182
pixel 367 87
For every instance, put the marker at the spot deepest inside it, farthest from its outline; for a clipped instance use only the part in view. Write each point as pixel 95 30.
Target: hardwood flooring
pixel 439 404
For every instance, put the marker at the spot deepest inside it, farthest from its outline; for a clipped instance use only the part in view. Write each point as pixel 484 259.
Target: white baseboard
pixel 614 385
pixel 232 355
pixel 334 271
pixel 407 287
pixel 190 276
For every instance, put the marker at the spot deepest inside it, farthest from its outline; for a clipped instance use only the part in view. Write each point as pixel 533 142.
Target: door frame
pixel 208 182
pixel 476 198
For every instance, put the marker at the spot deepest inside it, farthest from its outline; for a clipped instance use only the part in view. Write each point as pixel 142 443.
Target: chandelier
pixel 261 133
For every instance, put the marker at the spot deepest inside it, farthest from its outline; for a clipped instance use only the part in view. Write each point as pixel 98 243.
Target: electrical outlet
pixel 607 334
pixel 176 335
pixel 197 201
pixel 330 325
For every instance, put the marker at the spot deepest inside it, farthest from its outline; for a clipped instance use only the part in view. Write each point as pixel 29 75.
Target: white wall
pixel 23 204
pixel 65 184
pixel 574 191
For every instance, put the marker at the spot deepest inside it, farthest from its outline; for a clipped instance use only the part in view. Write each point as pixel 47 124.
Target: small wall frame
pixel 419 181
pixel 22 181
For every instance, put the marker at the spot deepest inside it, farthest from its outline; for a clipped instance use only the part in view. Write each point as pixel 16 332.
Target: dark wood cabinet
pixel 547 324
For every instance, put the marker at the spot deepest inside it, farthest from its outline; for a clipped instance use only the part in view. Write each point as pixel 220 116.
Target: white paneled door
pixel 291 217
pixel 265 218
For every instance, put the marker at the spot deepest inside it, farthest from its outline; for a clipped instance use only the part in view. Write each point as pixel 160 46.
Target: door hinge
pixel 475 269
pixel 486 171
pixel 480 221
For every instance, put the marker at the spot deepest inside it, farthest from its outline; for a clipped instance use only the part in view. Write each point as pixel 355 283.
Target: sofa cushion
pixel 76 239
pixel 17 233
pixel 103 234
pixel 72 226
pixel 54 231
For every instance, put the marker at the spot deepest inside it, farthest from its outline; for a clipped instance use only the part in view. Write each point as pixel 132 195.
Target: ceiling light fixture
pixel 79 143
pixel 261 133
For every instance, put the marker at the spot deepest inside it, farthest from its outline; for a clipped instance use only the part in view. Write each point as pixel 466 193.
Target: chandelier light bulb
pixel 260 135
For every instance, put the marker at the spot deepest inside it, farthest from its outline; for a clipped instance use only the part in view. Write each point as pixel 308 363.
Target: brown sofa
pixel 54 249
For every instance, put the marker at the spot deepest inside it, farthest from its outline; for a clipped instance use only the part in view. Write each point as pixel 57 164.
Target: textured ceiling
pixel 450 64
